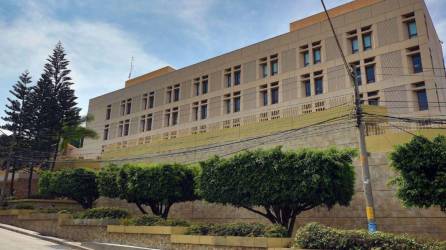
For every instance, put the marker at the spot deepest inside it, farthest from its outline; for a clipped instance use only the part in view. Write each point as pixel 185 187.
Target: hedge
pixel 150 220
pixel 238 229
pixel 317 236
pixel 103 213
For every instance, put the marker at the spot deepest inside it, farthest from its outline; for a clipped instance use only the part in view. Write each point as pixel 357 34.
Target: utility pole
pixel 363 157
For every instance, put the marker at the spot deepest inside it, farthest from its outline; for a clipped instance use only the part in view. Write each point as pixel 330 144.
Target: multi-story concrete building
pixel 290 90
pixel 396 50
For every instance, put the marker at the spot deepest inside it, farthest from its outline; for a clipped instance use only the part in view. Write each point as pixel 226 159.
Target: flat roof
pixel 148 76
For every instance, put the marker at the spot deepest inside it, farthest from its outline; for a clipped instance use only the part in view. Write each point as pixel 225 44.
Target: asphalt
pixel 10 240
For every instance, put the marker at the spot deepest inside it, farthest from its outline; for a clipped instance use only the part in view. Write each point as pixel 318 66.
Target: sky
pixel 100 37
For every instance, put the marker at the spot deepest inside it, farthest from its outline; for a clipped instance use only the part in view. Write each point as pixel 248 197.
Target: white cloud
pixel 99 52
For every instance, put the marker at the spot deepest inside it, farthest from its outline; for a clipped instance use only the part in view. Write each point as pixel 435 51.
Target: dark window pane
pixel 236 104
pixel 355 45
pixel 237 78
pixel 264 70
pixel 176 95
pixel 204 89
pixel 149 124
pixel 412 29
pixel 274 67
pixel 318 86
pixel 367 41
pixel 264 95
pixel 197 89
pixel 105 134
pixel 274 95
pixel 228 80
pixel 416 63
pixel 317 56
pixel 306 58
pixel 151 101
pixel 174 118
pixel 370 73
pixel 374 102
pixel 423 104
pixel 307 88
pixel 204 112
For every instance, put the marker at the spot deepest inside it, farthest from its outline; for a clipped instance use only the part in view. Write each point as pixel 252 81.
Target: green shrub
pixel 317 236
pixel 150 220
pixel 238 229
pixel 24 206
pixel 103 213
pixel 77 184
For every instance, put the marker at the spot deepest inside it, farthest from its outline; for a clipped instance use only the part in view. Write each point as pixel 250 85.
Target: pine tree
pixel 16 119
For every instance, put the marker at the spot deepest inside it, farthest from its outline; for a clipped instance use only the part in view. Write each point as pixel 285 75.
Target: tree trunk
pixel 5 183
pixel 276 215
pixel 53 164
pixel 11 184
pixel 165 212
pixel 30 179
pixel 141 208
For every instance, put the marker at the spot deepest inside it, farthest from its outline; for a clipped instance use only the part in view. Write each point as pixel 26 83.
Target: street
pixel 15 241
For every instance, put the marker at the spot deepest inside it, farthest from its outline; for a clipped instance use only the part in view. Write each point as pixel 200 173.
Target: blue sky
pixel 100 37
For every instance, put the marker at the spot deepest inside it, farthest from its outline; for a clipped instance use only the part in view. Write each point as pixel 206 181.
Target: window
pixel 316 55
pixel 274 93
pixel 106 129
pixel 370 73
pixel 171 117
pixel 145 100
pixel 126 106
pixel 367 41
pixel 195 111
pixel 129 106
pixel 126 127
pixel 145 123
pixel 274 61
pixel 204 111
pixel 176 93
pixel 236 102
pixel 237 77
pixel 264 69
pixel 318 86
pixel 204 86
pixel 374 101
pixel 264 95
pixel 416 63
pixel 108 113
pixel 307 86
pixel 412 29
pixel 354 45
pixel 197 86
pixel 120 128
pixel 151 99
pixel 228 78
pixel 306 58
pixel 227 103
pixel 423 104
pixel 373 98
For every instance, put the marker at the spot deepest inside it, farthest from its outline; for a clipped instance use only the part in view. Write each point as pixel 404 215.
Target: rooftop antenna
pixel 131 67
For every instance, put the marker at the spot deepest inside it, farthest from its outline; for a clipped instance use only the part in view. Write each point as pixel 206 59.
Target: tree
pixel 74 133
pixel 17 115
pixel 421 172
pixel 282 183
pixel 158 186
pixel 77 184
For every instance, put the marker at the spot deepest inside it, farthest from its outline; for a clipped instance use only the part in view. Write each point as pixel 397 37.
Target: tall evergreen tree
pixel 55 103
pixel 16 119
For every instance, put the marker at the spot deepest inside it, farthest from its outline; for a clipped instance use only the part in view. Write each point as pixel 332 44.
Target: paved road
pixel 14 241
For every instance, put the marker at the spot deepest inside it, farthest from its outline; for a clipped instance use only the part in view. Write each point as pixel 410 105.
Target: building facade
pixel 291 90
pixel 392 44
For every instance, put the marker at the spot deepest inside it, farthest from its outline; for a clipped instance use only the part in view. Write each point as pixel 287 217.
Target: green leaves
pixel 284 183
pixel 421 168
pixel 156 185
pixel 77 184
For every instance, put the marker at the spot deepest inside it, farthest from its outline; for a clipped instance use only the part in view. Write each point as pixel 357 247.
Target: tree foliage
pixel 77 184
pixel 283 183
pixel 421 168
pixel 158 186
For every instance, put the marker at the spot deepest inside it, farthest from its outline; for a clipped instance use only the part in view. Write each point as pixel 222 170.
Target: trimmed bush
pixel 279 184
pixel 103 213
pixel 238 229
pixel 317 236
pixel 24 206
pixel 77 184
pixel 150 220
pixel 158 186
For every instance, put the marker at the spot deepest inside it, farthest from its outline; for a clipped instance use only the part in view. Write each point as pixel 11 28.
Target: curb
pixel 42 237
